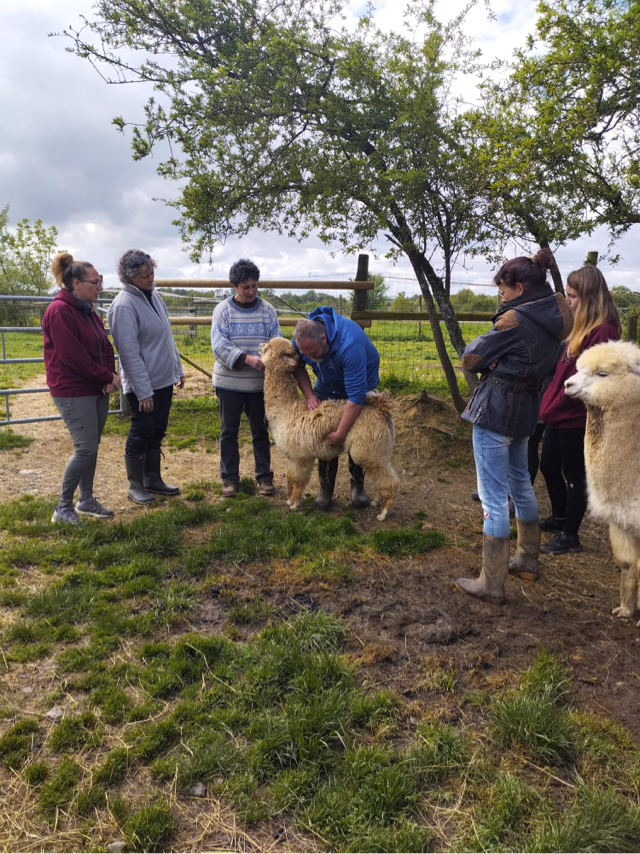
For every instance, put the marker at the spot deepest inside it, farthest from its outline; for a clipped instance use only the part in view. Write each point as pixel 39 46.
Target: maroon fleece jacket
pixel 78 356
pixel 558 410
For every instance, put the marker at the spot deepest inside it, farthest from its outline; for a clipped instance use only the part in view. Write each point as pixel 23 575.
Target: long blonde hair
pixel 595 306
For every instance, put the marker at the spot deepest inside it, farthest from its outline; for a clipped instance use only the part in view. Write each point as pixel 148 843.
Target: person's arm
pixel 349 416
pixel 224 350
pixel 71 352
pixel 124 329
pixel 486 350
pixel 304 384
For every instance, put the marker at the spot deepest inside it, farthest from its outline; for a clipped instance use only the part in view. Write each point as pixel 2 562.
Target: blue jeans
pixel 501 464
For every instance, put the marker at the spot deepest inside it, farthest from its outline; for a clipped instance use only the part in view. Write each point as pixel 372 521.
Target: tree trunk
pixel 441 347
pixel 447 311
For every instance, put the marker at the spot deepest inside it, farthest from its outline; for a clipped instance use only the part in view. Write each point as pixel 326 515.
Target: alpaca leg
pixel 298 475
pixel 386 481
pixel 628 588
pixel 623 545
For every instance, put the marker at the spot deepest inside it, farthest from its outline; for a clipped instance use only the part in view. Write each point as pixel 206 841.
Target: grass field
pixel 269 713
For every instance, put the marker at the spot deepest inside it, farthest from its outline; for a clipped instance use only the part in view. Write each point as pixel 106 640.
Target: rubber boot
pixel 327 472
pixel 135 475
pixel 495 565
pixel 359 498
pixel 524 564
pixel 152 480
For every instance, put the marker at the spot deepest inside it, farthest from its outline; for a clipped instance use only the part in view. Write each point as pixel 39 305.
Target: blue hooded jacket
pixel 351 367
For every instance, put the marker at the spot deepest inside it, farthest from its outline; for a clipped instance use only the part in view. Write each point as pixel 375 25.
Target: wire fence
pixel 408 356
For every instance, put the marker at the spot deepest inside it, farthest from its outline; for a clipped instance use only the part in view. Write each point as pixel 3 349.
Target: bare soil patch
pixel 405 615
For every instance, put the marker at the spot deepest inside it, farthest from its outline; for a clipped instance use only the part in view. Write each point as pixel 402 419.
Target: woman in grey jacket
pixel 151 366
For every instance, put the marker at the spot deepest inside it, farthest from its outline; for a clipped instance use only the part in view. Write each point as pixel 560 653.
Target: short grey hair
pixel 130 264
pixel 310 330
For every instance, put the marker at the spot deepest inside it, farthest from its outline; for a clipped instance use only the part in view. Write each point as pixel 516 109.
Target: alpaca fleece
pixel 300 434
pixel 608 382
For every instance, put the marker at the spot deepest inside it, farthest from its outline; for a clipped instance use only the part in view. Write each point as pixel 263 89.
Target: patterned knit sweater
pixel 236 330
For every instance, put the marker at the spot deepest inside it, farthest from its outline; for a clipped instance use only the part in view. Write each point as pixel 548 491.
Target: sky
pixel 63 161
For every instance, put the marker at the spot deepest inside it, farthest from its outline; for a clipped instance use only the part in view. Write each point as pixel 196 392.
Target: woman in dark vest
pixel 513 359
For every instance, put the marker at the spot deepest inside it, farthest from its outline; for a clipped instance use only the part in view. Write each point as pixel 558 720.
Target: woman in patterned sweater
pixel 238 327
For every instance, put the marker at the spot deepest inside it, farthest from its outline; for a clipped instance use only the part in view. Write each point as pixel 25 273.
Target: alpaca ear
pixel 292 361
pixel 635 369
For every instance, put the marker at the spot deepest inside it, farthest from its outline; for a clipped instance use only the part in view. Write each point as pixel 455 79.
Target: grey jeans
pixel 85 418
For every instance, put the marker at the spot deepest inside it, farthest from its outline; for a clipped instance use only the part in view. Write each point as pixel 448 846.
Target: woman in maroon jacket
pixel 80 367
pixel 596 319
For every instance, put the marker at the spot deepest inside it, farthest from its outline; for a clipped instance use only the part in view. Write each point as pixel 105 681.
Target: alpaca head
pixel 279 353
pixel 608 376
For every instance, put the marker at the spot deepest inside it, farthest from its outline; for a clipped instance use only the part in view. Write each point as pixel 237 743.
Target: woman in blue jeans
pixel 513 359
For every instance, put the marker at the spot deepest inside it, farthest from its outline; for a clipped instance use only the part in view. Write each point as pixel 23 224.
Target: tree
pixel 279 121
pixel 25 261
pixel 403 303
pixel 25 256
pixel 563 130
pixel 378 298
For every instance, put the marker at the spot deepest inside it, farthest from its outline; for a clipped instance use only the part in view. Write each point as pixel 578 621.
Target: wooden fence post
pixel 592 258
pixel 632 328
pixel 362 275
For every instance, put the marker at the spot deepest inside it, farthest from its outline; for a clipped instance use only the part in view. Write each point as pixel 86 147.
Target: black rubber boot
pixel 135 475
pixel 359 498
pixel 327 471
pixel 152 480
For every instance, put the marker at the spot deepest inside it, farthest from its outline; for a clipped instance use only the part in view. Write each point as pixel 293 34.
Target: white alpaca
pixel 301 435
pixel 608 381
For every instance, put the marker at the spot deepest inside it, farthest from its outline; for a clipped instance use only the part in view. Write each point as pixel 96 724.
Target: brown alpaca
pixel 300 434
pixel 608 382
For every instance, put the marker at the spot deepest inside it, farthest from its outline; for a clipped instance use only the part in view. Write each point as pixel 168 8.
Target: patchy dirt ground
pixel 406 615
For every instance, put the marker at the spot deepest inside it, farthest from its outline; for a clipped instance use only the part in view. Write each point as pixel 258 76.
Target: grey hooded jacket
pixel 148 354
pixel 514 359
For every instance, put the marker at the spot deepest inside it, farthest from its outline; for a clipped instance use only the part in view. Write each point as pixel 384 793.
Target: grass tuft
pixel 75 733
pixel 58 792
pixel 15 745
pixel 150 828
pixel 401 542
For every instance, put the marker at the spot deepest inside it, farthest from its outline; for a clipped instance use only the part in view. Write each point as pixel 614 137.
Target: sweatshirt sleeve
pixel 71 352
pixel 223 348
pixel 124 329
pixel 355 373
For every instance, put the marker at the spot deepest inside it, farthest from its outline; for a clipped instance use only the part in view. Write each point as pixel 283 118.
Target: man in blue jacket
pixel 346 366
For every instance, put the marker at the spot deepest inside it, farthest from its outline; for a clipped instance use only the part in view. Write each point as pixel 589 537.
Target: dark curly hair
pixel 242 270
pixel 131 262
pixel 530 272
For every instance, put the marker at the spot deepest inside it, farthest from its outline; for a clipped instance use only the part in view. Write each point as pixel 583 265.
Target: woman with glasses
pixel 596 320
pixel 150 363
pixel 80 367
pixel 513 359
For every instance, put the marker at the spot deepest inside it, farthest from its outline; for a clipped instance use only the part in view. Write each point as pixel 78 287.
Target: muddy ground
pixel 405 615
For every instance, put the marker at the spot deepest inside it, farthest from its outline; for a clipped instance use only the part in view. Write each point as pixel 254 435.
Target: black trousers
pixel 562 466
pixel 533 451
pixel 148 429
pixel 232 404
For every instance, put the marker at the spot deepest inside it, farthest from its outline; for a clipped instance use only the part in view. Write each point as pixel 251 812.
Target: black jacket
pixel 514 359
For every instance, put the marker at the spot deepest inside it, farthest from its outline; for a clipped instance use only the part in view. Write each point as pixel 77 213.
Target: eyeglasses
pixel 97 283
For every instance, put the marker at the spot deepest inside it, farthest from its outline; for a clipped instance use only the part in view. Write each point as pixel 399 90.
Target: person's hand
pixel 254 362
pixel 493 364
pixel 335 438
pixel 115 381
pixel 146 405
pixel 312 403
pixel 180 383
pixel 109 388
